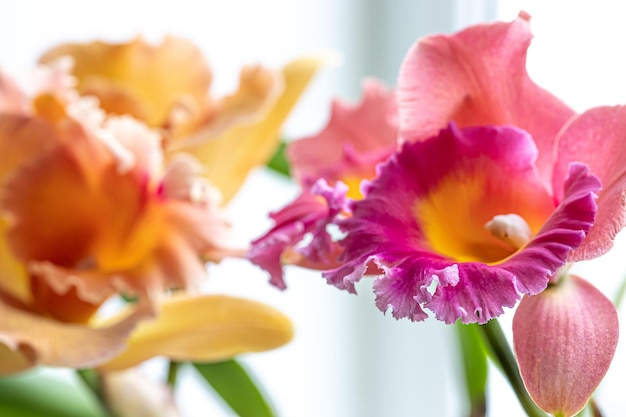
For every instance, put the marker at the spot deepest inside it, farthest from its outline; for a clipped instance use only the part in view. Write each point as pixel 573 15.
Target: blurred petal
pixel 131 394
pixel 564 338
pixel 353 131
pixel 476 77
pixel 258 89
pixel 43 180
pixel 204 329
pixel 138 140
pixel 22 137
pixel 44 341
pixel 12 99
pixel 15 360
pixel 597 137
pixel 14 280
pixel 229 153
pixel 123 76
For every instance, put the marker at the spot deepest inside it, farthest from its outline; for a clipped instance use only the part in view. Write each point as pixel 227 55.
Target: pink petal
pixel 597 138
pixel 478 77
pixel 356 135
pixel 564 340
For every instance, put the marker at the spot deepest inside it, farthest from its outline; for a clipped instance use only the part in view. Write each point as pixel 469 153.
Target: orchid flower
pixel 494 188
pixel 97 205
pixel 123 77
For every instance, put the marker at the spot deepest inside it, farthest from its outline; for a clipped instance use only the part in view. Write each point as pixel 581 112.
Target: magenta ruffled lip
pixel 308 215
pixel 384 229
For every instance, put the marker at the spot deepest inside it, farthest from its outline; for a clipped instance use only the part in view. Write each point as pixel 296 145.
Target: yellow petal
pixel 45 341
pixel 233 152
pixel 13 277
pixel 205 328
pixel 146 81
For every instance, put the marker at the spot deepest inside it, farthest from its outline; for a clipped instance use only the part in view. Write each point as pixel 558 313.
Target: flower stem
pixel 593 407
pixel 504 358
pixel 91 380
pixel 172 373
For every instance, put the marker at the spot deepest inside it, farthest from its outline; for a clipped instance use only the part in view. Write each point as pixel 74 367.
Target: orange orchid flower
pixel 244 125
pixel 96 204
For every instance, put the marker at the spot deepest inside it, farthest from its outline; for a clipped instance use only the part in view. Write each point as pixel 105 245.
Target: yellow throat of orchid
pixel 467 219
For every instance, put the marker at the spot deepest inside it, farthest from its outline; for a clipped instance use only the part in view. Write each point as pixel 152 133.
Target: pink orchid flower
pixel 91 210
pixel 329 166
pixel 496 187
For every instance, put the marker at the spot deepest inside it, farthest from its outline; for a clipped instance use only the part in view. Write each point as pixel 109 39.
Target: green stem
pixel 619 297
pixel 503 355
pixel 91 380
pixel 474 360
pixel 172 373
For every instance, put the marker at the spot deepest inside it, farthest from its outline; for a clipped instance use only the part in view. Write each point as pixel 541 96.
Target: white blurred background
pixel 348 359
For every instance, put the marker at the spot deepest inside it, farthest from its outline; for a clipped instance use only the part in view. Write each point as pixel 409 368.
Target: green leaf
pixel 35 394
pixel 279 162
pixel 474 360
pixel 232 382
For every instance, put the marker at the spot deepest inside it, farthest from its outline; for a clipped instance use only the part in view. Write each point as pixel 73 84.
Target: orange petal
pixel 243 139
pixel 565 338
pixel 22 138
pixel 44 341
pixel 104 224
pixel 41 219
pixel 205 328
pixel 123 76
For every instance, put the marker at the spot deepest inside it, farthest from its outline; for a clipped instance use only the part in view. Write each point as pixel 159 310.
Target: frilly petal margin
pixel 565 339
pixel 310 213
pixel 474 292
pixel 597 138
pixel 35 340
pixel 123 75
pixel 204 328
